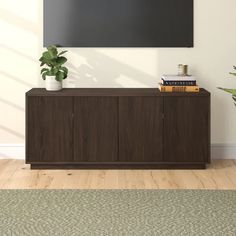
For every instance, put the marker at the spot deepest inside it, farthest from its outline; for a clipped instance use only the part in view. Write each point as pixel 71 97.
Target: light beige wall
pixel 211 59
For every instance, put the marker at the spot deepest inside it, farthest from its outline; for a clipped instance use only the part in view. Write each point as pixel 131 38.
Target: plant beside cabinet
pixel 231 91
pixel 54 72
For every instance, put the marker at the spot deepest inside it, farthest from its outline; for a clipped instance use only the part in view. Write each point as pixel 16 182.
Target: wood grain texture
pixel 118 165
pixel 117 128
pixel 49 129
pixel 112 92
pixel 14 174
pixel 186 129
pixel 95 129
pixel 140 129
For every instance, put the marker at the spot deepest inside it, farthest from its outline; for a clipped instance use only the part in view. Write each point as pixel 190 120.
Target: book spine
pixel 178 83
pixel 178 78
pixel 193 89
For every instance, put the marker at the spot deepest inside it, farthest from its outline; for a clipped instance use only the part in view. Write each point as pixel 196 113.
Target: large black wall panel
pixel 118 23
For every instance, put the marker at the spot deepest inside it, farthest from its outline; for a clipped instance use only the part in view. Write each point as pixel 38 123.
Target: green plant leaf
pixel 54 71
pixel 44 75
pixel 64 69
pixel 60 76
pixel 61 53
pixel 233 73
pixel 54 61
pixel 47 56
pixel 52 50
pixel 232 91
pixel 234 98
pixel 61 61
pixel 42 59
pixel 44 70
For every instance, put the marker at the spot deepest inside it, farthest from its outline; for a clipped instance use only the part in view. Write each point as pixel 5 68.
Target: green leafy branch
pixel 54 62
pixel 231 91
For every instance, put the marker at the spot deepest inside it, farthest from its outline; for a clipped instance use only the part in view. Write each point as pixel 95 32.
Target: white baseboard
pixel 17 151
pixel 223 151
pixel 12 151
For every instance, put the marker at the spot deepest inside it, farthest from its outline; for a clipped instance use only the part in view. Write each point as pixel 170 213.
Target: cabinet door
pixel 96 129
pixel 186 129
pixel 49 129
pixel 140 129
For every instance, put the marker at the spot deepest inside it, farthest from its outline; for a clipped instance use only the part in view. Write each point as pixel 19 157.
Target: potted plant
pixel 54 72
pixel 231 91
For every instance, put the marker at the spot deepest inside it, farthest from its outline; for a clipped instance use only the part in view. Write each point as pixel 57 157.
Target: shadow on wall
pixel 16 79
pixel 13 105
pixel 20 44
pixel 13 132
pixel 102 70
pixel 14 19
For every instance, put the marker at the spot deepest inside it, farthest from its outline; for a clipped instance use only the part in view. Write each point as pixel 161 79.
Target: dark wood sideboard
pixel 117 128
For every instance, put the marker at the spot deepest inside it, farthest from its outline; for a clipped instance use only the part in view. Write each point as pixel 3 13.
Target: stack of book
pixel 176 83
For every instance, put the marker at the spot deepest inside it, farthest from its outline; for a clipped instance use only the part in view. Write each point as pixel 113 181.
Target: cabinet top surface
pixel 111 92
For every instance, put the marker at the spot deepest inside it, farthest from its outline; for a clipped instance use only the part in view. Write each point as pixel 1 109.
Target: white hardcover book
pixel 178 77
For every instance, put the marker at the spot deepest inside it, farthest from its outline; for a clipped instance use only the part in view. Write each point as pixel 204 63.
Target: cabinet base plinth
pixel 121 166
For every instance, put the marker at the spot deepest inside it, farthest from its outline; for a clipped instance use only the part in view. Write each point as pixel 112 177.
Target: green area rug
pixel 117 212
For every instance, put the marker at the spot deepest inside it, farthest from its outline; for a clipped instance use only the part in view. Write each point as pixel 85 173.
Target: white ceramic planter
pixel 52 84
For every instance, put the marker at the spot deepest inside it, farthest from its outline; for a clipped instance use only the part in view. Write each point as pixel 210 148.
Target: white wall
pixel 211 59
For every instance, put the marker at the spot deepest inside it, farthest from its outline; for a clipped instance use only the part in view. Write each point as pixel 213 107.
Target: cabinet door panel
pixel 96 129
pixel 140 129
pixel 186 129
pixel 49 129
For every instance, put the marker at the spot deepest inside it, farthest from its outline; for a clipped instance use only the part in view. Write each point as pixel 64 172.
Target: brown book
pixel 192 89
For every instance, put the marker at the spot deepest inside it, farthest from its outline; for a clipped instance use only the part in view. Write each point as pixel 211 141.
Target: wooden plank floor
pixel 14 174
